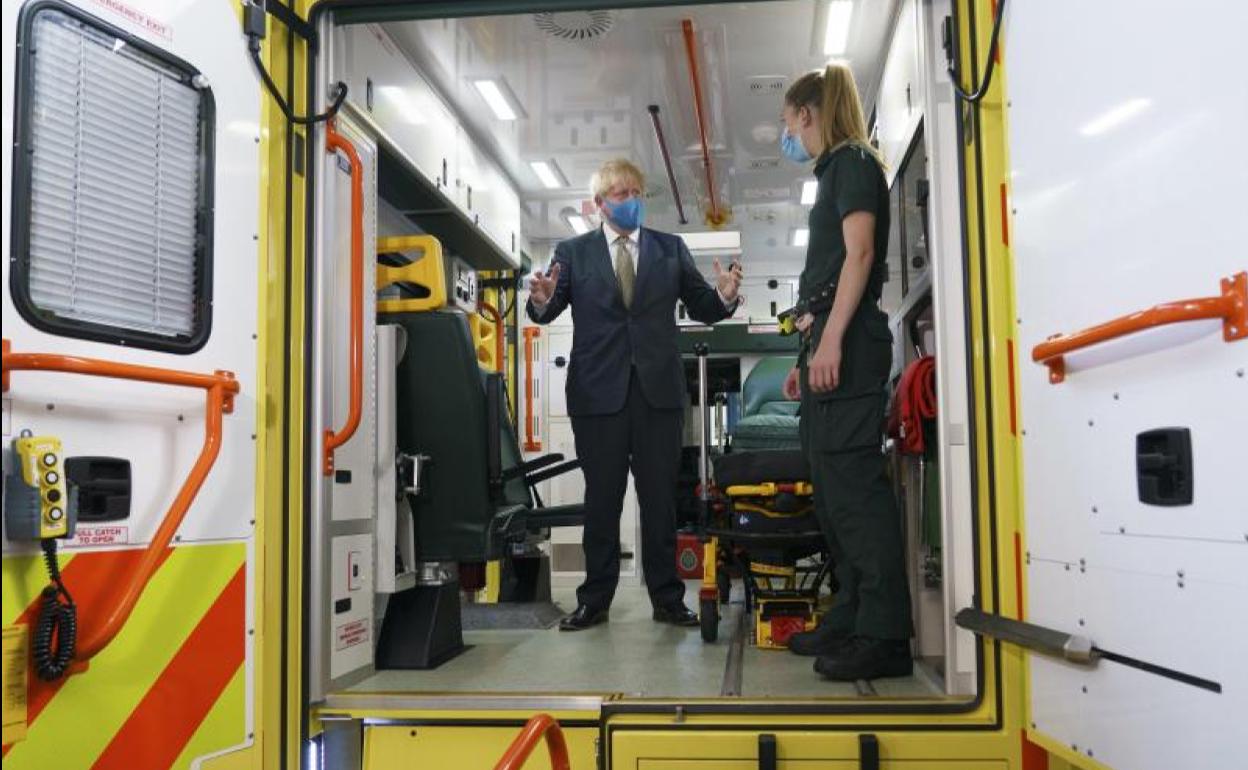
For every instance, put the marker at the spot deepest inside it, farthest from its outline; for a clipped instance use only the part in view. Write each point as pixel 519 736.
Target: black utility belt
pixel 817 305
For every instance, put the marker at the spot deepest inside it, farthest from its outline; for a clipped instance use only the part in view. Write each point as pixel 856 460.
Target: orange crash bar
pixel 335 141
pixel 220 388
pixel 1231 306
pixel 538 727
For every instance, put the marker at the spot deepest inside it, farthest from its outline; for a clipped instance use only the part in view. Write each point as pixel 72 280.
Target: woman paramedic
pixel 840 379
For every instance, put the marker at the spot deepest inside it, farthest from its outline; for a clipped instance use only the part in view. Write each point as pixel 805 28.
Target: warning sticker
pixel 100 534
pixel 138 18
pixel 351 634
pixel 14 674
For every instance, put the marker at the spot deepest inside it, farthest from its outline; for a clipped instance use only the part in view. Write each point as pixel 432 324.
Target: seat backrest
pixel 442 413
pixel 763 390
pixel 515 491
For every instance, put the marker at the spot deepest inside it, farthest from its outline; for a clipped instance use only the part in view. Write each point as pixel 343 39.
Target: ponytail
pixel 833 93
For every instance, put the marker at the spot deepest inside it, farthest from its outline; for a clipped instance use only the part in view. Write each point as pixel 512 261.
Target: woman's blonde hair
pixel 613 172
pixel 834 94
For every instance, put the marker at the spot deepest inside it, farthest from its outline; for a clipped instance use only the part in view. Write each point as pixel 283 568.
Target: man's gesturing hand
pixel 728 283
pixel 542 287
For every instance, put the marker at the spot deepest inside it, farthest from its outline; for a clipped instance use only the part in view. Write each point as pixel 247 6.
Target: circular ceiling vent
pixel 575 25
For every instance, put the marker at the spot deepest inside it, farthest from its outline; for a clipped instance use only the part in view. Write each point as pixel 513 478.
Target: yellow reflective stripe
pixel 24 578
pixel 92 706
pixel 223 727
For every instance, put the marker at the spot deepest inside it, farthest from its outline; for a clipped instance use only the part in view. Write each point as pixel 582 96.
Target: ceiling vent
pixel 767 84
pixel 575 25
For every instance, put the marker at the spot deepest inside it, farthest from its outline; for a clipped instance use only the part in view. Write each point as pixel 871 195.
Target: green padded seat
pixel 769 420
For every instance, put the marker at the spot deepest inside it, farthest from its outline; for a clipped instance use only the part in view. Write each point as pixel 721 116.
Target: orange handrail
pixel 336 141
pixel 531 444
pixel 541 725
pixel 714 218
pixel 491 313
pixel 1231 306
pixel 220 387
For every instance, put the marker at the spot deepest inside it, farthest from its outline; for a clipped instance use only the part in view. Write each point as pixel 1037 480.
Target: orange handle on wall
pixel 491 313
pixel 538 727
pixel 220 388
pixel 335 141
pixel 714 218
pixel 531 444
pixel 1231 307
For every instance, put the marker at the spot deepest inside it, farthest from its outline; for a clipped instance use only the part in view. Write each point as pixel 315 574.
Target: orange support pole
pixel 335 141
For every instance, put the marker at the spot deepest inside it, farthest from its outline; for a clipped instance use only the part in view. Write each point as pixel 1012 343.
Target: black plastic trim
pixel 19 258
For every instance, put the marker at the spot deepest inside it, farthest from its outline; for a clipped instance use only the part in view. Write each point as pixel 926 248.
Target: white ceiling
pixel 585 101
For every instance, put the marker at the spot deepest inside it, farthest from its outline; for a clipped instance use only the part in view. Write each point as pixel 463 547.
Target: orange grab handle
pixel 686 25
pixel 335 141
pixel 538 727
pixel 1231 306
pixel 220 388
pixel 491 313
pixel 531 444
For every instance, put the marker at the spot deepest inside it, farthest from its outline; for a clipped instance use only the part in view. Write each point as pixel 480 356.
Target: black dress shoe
pixel 582 618
pixel 863 657
pixel 677 615
pixel 824 639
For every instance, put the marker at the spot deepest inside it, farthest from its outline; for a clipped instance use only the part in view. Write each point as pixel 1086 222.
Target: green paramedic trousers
pixel 858 513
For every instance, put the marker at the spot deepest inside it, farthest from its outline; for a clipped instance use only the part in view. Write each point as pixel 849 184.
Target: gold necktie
pixel 624 272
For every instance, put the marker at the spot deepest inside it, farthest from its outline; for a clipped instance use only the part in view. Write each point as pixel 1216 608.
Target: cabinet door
pixel 385 85
pixel 467 176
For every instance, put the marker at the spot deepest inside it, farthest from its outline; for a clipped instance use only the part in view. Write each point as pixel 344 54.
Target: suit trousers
pixel 647 440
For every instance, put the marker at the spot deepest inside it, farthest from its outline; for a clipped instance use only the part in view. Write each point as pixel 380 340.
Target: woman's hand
pixel 804 322
pixel 825 366
pixel 793 385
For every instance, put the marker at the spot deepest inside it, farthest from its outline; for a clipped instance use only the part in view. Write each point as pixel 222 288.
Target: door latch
pixel 1163 466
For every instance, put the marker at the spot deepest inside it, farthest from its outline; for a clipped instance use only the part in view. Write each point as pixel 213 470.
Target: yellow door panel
pixel 463 748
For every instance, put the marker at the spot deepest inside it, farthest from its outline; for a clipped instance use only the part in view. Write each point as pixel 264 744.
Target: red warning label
pixel 103 534
pixel 351 634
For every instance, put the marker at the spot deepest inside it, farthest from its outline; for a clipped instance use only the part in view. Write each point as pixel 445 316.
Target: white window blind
pixel 115 183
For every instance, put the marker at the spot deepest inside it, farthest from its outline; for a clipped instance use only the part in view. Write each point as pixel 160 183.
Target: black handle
pixel 1163 466
pixel 868 752
pixel 560 361
pixel 767 754
pixel 701 349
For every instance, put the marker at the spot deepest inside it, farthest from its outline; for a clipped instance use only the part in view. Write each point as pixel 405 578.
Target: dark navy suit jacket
pixel 609 339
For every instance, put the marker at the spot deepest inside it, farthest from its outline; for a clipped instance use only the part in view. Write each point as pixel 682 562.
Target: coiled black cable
pixel 56 631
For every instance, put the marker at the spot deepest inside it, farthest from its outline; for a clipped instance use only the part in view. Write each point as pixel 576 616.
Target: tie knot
pixel 621 240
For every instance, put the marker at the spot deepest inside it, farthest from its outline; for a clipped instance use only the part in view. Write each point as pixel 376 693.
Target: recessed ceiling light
pixel 499 97
pixel 548 173
pixel 578 224
pixel 712 239
pixel 801 236
pixel 836 34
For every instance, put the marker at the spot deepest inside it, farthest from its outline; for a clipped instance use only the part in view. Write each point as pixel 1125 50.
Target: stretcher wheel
pixel 708 613
pixel 724 582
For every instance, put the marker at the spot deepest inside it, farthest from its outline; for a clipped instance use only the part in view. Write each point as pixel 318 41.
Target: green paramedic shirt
pixel 850 179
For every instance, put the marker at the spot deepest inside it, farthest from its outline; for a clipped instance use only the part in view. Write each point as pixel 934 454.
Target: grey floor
pixel 632 656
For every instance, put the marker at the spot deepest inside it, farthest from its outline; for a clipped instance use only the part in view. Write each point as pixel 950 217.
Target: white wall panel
pixel 1128 189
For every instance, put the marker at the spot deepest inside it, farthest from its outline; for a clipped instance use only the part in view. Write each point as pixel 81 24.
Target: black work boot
pixel 863 657
pixel 823 639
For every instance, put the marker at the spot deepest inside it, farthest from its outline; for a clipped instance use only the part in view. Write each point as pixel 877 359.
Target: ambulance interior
pixel 444 540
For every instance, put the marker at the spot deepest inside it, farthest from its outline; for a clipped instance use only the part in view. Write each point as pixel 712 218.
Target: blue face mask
pixel 792 148
pixel 627 214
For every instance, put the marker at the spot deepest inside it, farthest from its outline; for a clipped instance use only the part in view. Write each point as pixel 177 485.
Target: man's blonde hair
pixel 615 172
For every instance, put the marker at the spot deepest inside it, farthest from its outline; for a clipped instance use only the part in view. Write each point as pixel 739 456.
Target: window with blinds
pixel 114 163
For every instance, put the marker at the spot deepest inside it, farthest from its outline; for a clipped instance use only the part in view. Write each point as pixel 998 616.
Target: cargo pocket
pixel 842 424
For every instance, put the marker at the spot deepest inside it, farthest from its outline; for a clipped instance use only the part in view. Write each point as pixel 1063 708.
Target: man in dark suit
pixel 626 383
